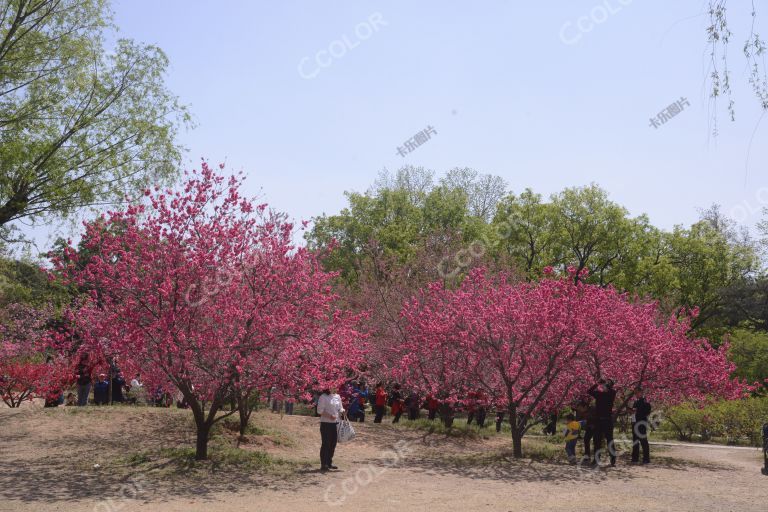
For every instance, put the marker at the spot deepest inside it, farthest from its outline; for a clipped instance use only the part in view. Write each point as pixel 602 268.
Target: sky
pixel 312 99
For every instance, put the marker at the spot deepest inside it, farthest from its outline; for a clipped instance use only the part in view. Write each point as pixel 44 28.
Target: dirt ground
pixel 48 461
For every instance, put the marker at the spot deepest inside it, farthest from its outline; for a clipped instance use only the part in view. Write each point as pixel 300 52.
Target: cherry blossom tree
pixel 205 288
pixel 536 347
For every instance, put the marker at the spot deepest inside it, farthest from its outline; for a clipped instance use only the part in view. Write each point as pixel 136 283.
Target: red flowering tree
pixel 535 347
pixel 205 288
pixel 24 372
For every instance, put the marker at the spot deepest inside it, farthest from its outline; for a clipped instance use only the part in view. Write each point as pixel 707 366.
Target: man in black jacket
pixel 641 410
pixel 604 396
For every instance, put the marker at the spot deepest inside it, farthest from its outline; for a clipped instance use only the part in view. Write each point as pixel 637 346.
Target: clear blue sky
pixel 496 80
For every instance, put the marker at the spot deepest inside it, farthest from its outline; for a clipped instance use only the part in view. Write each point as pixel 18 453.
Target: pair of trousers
pixel 481 413
pixel 605 432
pixel 589 435
pixel 83 391
pixel 329 436
pixel 640 438
pixel 432 414
pixel 570 447
pixel 380 409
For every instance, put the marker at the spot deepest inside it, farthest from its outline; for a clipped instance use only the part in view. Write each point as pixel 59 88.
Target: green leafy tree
pixel 749 351
pixel 80 124
pixel 393 220
pixel 524 226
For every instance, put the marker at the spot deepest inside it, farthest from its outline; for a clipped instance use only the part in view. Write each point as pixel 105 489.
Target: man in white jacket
pixel 330 409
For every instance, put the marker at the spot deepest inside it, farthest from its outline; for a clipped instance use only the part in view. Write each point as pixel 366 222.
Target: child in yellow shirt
pixel 572 429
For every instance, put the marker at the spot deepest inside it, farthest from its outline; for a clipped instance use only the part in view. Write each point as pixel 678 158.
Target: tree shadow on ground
pixel 427 452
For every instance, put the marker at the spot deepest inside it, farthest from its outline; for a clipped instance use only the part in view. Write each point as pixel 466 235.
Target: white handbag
pixel 345 431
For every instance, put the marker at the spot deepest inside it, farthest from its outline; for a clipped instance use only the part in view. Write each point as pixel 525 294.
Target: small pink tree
pixel 204 288
pixel 24 373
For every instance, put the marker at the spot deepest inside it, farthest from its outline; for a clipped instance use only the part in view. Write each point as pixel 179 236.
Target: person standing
pixel 431 404
pixel 398 404
pixel 499 419
pixel 551 426
pixel 101 390
pixel 585 415
pixel 330 410
pixel 641 410
pixel 380 402
pixel 84 380
pixel 571 434
pixel 482 408
pixel 412 404
pixel 289 403
pixel 356 408
pixel 118 385
pixel 604 394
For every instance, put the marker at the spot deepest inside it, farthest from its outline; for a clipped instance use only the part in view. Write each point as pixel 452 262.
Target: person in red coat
pixel 398 405
pixel 431 405
pixel 380 402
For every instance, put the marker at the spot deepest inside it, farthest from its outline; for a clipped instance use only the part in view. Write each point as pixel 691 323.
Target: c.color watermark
pixel 476 249
pixel 337 494
pixel 747 208
pixel 602 455
pixel 130 490
pixel 572 31
pixel 309 68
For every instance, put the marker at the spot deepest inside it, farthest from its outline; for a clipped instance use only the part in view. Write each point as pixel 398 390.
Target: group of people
pixel 105 389
pixel 592 418
pixel 593 421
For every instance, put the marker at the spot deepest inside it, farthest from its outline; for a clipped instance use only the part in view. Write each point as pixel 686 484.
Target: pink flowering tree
pixel 205 288
pixel 434 355
pixel 536 347
pixel 292 336
pixel 640 347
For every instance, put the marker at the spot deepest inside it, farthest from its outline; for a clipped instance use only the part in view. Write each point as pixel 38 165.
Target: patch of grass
pixel 458 429
pixel 533 450
pixel 222 456
pixel 136 459
pixel 233 425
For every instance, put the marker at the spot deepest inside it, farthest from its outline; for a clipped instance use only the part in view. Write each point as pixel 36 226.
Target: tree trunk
pixel 517 433
pixel 244 411
pixel 201 448
pixel 446 415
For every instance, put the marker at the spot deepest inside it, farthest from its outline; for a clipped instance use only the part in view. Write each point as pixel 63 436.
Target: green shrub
pixel 733 420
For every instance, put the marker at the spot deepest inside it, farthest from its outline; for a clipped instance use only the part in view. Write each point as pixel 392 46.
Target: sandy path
pixel 46 464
